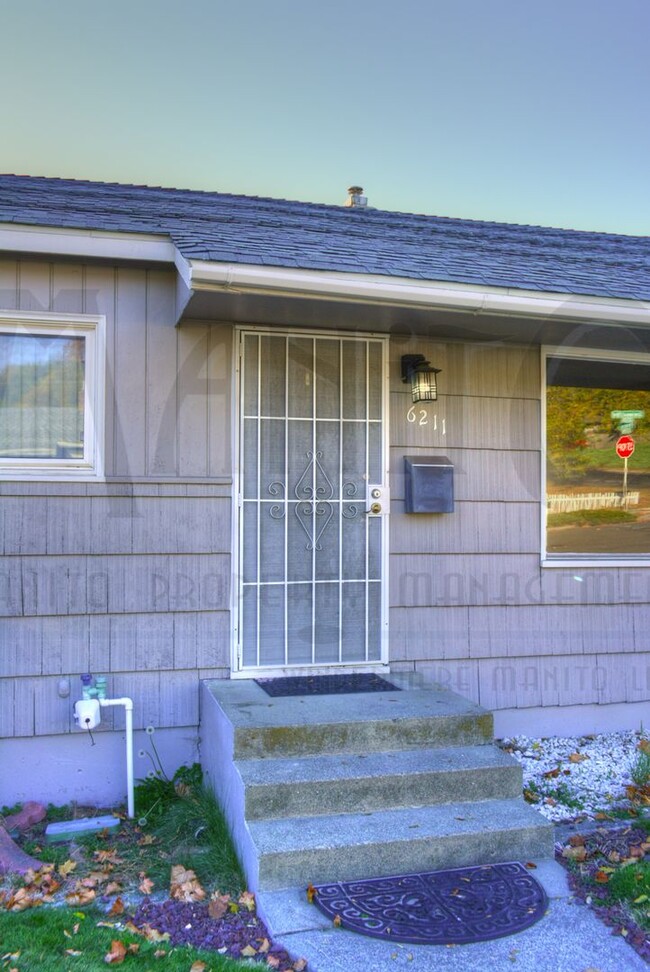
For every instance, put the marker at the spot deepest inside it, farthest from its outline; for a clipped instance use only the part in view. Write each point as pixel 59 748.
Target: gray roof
pixel 279 233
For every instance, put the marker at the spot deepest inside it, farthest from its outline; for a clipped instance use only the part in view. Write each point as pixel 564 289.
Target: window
pixel 51 396
pixel 597 421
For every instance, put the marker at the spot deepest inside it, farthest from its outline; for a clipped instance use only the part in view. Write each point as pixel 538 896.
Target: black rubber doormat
pixel 456 907
pixel 325 685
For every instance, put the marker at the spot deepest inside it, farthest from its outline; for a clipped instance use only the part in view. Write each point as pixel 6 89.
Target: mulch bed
pixel 601 846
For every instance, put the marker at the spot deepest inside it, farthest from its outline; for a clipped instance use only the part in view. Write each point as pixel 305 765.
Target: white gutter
pixel 376 289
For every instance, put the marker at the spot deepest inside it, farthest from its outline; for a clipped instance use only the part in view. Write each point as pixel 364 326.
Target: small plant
pixel 640 771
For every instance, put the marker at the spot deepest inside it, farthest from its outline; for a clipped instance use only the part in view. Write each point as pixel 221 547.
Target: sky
pixel 520 111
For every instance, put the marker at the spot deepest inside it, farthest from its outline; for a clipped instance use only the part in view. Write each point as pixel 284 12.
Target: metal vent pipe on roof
pixel 356 198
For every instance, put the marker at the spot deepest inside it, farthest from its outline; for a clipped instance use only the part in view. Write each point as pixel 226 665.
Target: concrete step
pixel 292 852
pixel 327 784
pixel 263 727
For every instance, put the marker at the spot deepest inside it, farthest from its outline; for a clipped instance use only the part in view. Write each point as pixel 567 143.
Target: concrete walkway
pixel 569 938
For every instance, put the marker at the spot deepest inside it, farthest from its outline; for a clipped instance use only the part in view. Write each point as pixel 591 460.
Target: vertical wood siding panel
pixel 52 714
pixel 24 706
pixel 99 646
pixel 425 633
pixel 220 378
pixel 185 640
pixel 67 289
pixel 129 376
pixel 179 699
pixel 8 285
pixel 22 528
pixel 112 523
pixel 99 298
pixel 193 342
pixel 6 707
pixel 35 286
pixel 21 647
pixel 68 528
pixel 65 646
pixel 161 376
pixel 213 639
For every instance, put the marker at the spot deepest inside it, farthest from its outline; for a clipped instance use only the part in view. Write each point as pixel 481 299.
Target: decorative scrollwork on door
pixel 314 491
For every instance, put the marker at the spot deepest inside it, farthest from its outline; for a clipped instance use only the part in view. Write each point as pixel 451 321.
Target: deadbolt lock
pixel 376 493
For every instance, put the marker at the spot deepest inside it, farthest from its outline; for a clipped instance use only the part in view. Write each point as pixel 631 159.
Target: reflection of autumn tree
pixel 575 415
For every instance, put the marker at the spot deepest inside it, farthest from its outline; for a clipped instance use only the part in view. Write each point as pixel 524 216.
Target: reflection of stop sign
pixel 625 446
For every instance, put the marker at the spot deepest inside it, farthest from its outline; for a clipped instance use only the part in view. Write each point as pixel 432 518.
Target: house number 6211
pixel 420 416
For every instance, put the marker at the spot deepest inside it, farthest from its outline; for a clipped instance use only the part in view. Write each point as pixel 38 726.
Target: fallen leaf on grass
pixel 197 966
pixel 184 884
pixel 117 908
pixel 117 953
pixel 601 876
pixel 113 887
pixel 152 934
pixel 146 840
pixel 80 896
pixel 72 951
pixel 146 885
pixel 66 868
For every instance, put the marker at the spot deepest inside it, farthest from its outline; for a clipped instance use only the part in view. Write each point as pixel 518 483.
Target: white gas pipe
pixel 88 717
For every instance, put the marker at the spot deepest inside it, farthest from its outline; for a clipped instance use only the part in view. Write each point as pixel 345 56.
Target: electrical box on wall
pixel 429 484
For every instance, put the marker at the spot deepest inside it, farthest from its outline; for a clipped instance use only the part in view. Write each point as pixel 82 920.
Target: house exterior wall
pixel 131 576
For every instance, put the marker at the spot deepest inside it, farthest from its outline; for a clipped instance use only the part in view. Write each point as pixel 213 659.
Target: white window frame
pixel 92 328
pixel 588 559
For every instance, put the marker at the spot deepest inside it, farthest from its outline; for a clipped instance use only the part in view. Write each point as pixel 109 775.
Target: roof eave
pixel 406 292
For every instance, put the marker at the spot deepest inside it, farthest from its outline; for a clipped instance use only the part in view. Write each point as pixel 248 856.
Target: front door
pixel 312 502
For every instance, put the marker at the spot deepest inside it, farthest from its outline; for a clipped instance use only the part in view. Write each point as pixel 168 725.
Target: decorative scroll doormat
pixel 325 685
pixel 455 907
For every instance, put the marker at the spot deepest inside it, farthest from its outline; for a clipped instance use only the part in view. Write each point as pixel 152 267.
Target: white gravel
pixel 591 782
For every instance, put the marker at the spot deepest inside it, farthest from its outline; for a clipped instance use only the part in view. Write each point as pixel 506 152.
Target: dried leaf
pixel 72 951
pixel 184 885
pixel 117 908
pixel 336 921
pixel 311 893
pixel 530 865
pixel 577 757
pixel 146 885
pixel 575 853
pixel 601 876
pixel 117 953
pixel 247 900
pixel 152 934
pixel 133 948
pixel 300 965
pixel 218 905
pixel 80 896
pixel 576 840
pixel 146 840
pixel 113 887
pixel 264 946
pixel 66 868
pixel 273 961
pixel 248 951
pixel 198 966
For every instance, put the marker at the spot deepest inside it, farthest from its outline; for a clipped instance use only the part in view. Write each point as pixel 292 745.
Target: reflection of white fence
pixel 568 502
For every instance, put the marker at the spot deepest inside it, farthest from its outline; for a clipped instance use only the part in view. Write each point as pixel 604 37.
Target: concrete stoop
pixel 330 788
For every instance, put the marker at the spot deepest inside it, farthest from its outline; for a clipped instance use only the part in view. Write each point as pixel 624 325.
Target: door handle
pixel 375 508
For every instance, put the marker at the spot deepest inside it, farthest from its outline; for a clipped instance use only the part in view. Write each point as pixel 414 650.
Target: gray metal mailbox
pixel 429 484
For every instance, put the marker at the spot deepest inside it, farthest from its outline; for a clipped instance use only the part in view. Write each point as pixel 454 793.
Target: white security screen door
pixel 312 466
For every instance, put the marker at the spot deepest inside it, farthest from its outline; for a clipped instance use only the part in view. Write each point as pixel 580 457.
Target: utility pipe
pixel 128 711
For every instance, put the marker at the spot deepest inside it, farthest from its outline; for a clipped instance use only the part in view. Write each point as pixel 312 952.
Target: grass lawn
pixel 54 939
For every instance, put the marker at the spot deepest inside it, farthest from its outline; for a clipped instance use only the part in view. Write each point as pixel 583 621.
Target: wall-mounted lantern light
pixel 417 370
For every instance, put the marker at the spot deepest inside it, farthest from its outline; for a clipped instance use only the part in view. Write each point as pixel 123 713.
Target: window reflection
pixel 592 506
